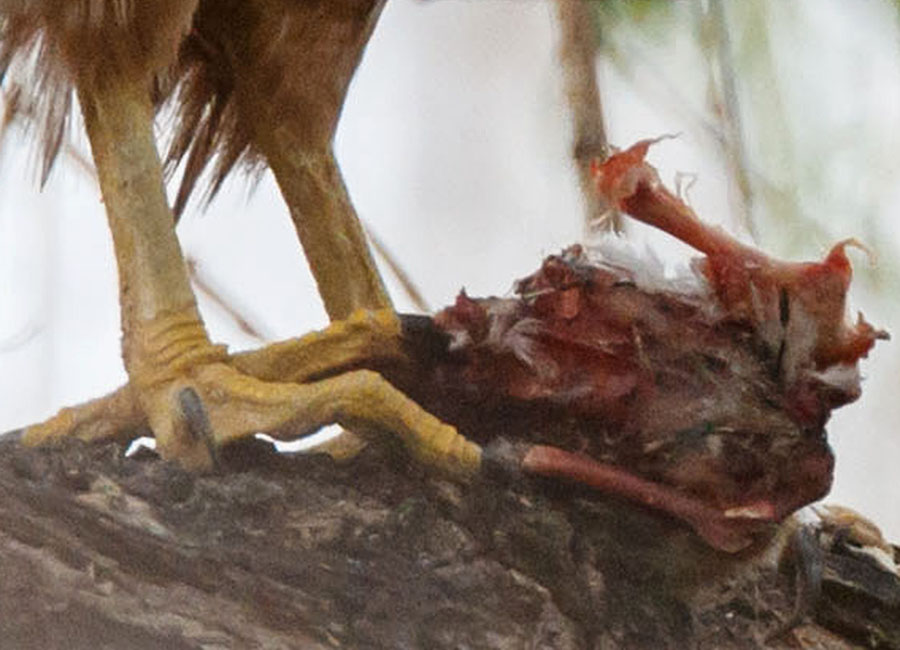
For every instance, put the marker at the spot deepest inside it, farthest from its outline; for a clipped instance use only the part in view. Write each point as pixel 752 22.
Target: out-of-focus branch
pixel 406 282
pixel 772 133
pixel 715 38
pixel 201 284
pixel 204 286
pixel 578 53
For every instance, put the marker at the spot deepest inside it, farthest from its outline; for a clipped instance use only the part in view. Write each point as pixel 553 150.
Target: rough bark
pixel 288 551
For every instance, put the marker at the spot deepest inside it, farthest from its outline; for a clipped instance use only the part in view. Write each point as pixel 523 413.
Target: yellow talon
pixel 189 391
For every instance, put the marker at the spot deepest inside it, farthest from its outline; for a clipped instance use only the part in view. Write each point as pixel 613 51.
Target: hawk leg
pixel 166 350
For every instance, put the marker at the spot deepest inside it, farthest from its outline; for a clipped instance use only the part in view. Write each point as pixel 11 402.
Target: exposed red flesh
pixel 721 531
pixel 708 404
pixel 735 270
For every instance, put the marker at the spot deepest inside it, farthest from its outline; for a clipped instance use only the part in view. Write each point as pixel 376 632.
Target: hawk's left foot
pixel 209 405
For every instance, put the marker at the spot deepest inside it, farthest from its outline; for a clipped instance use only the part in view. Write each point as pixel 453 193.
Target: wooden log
pixel 291 551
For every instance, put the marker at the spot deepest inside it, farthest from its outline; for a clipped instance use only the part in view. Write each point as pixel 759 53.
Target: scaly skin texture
pixel 364 338
pixel 314 392
pixel 181 385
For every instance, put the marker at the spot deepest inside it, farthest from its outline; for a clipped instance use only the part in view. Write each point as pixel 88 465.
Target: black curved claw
pixel 809 567
pixel 807 556
pixel 422 339
pixel 197 421
pixel 502 460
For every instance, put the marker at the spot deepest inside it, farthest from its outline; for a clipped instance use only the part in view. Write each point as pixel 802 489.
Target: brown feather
pixel 49 46
pixel 295 54
pixel 208 125
pixel 225 49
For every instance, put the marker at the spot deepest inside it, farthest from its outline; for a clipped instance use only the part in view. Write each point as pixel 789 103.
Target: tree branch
pixel 297 552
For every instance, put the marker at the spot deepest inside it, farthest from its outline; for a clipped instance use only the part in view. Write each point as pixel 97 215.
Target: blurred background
pixel 456 144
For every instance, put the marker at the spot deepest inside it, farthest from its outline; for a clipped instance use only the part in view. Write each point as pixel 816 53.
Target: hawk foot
pixel 194 409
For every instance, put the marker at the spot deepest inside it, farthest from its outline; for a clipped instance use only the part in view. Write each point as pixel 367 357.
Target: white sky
pixel 454 144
